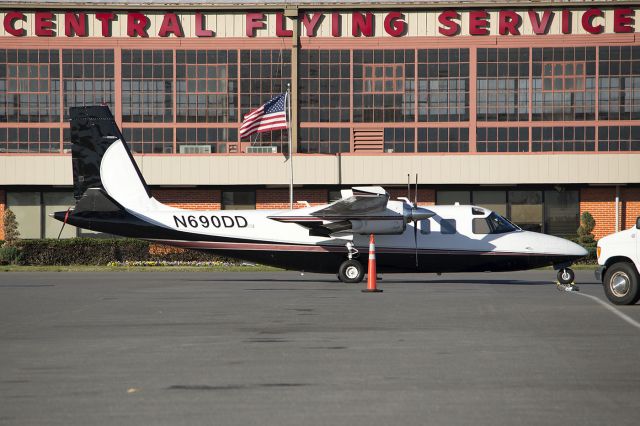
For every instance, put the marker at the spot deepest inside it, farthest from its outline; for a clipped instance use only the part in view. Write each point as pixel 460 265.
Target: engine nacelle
pixel 378 226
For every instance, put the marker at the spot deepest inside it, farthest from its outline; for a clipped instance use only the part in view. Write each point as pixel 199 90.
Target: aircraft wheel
pixel 621 284
pixel 351 271
pixel 566 276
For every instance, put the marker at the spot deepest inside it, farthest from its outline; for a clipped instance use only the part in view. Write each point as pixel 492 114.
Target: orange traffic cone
pixel 371 273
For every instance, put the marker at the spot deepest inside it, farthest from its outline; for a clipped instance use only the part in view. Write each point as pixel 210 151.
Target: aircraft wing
pixel 362 201
pixel 358 204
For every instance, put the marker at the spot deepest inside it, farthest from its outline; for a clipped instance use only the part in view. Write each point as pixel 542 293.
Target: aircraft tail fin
pixel 102 159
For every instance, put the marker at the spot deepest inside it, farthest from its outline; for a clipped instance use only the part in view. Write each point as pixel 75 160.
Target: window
pixel 558 139
pixel 383 78
pixel 443 84
pixel 238 200
pixel 443 139
pixel 502 139
pixel 26 207
pixel 492 224
pixel 216 139
pixel 324 140
pixel 480 226
pixel 619 83
pixel 399 140
pixel 264 74
pixel 562 212
pixel 448 226
pixel 425 226
pixel 383 85
pixel 33 139
pixel 57 202
pixel 565 76
pixel 503 84
pixel 526 209
pixel 149 140
pixel 88 78
pixel 147 86
pixel 563 83
pixel 29 85
pixel 32 211
pixel 206 86
pixel 619 138
pixel 452 197
pixel 25 78
pixel 325 85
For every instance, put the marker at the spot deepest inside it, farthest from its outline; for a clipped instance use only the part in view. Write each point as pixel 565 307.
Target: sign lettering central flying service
pixel 447 23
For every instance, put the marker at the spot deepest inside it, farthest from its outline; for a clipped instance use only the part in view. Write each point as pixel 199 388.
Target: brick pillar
pixel 274 199
pixel 630 198
pixel 3 203
pixel 189 198
pixel 601 203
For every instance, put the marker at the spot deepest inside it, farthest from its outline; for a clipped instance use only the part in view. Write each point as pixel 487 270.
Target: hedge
pixel 94 251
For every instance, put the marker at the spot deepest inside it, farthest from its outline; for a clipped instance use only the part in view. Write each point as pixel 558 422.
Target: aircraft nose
pixel 572 249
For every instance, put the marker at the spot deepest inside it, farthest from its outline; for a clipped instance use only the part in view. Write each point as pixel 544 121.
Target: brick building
pixel 526 107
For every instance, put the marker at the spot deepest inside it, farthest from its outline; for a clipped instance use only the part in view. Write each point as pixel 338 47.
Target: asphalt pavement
pixel 278 348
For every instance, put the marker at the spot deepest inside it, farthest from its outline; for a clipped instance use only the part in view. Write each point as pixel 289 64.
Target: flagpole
pixel 290 150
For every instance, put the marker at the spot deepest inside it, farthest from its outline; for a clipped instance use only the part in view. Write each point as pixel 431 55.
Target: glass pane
pixel 238 200
pixel 26 207
pixel 557 69
pixel 526 209
pixel 562 213
pixel 568 69
pixel 451 197
pixel 56 202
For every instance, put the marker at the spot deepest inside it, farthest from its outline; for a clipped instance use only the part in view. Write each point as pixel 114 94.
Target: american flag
pixel 270 116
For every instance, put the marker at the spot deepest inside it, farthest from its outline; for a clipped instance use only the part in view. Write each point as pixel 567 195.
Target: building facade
pixel 528 108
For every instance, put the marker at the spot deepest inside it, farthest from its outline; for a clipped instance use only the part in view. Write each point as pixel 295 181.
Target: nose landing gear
pixel 566 278
pixel 351 270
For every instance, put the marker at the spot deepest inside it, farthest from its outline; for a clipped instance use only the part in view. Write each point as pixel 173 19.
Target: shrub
pixel 11 233
pixel 8 255
pixel 587 224
pixel 585 237
pixel 93 251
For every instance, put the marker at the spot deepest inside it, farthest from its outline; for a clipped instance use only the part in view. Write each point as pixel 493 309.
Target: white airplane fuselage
pixel 252 235
pixel 114 198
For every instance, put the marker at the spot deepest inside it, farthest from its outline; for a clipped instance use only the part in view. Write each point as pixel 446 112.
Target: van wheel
pixel 621 284
pixel 566 276
pixel 351 271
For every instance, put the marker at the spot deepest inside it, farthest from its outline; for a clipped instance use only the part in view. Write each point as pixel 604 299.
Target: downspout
pixel 617 208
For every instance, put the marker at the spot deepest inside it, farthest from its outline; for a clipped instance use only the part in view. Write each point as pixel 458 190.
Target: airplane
pixel 113 197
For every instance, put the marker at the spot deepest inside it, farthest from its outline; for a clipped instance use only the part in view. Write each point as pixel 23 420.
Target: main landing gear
pixel 351 270
pixel 566 278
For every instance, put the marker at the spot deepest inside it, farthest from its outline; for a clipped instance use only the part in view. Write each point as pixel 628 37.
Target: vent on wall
pixel 195 149
pixel 262 149
pixel 368 140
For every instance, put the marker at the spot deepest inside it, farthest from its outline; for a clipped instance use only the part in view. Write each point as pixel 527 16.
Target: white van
pixel 618 257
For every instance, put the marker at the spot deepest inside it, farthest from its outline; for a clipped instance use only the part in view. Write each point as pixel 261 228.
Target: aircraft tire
pixel 351 271
pixel 566 276
pixel 621 284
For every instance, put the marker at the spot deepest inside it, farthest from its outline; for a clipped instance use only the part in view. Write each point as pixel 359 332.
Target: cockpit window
pixel 493 224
